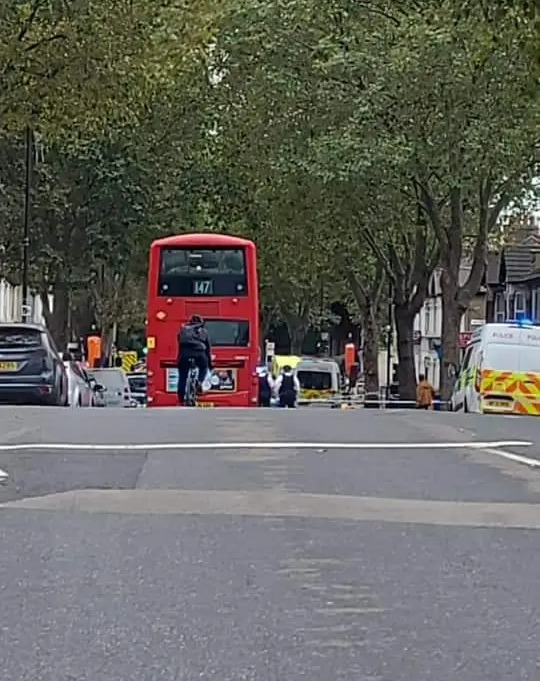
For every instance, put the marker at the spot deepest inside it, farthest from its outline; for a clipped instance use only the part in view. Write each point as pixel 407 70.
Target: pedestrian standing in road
pixel 425 394
pixel 265 388
pixel 287 388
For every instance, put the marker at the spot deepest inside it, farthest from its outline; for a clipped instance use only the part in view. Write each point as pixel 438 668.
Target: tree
pixel 305 132
pixel 368 289
pixel 408 81
pixel 69 69
pixel 96 207
pixel 458 92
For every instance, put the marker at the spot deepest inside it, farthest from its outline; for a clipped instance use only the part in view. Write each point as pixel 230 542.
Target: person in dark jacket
pixel 193 344
pixel 287 388
pixel 265 388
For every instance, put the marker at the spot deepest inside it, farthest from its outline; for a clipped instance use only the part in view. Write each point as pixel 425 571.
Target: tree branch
pixel 379 253
pixel 428 204
pixel 30 20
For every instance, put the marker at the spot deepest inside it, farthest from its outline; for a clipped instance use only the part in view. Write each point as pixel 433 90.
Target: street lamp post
pixel 26 225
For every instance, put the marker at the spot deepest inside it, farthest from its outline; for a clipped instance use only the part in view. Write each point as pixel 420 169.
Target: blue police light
pixel 522 321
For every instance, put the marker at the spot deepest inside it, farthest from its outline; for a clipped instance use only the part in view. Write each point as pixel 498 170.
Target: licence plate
pixel 499 405
pixel 205 405
pixel 8 366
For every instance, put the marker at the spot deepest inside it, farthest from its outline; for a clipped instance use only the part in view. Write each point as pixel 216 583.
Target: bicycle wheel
pixel 190 394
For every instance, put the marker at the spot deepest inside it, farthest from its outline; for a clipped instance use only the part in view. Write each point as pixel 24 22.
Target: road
pixel 268 545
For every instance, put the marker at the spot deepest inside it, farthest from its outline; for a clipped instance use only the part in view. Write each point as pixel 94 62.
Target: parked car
pixel 137 386
pixel 80 391
pixel 31 370
pixel 116 391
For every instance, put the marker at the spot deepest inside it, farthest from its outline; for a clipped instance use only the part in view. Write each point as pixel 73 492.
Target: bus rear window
pixel 185 272
pixel 228 332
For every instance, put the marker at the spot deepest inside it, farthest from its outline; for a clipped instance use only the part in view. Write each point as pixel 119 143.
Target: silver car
pixel 116 391
pixel 80 392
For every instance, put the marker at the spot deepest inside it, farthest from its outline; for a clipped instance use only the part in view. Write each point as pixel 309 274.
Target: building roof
pixel 518 263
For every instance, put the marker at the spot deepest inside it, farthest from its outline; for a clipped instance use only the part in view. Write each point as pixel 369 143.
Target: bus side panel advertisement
pixel 222 380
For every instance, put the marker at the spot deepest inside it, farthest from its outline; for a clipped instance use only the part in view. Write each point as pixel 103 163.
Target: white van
pixel 117 392
pixel 500 372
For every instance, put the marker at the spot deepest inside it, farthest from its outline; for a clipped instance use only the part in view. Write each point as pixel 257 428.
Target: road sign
pixel 269 352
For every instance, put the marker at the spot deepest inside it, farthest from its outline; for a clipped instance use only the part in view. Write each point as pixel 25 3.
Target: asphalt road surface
pixel 268 545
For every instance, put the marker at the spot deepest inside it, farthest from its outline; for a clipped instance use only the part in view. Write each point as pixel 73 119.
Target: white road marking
pixel 84 446
pixel 266 445
pixel 518 458
pixel 3 475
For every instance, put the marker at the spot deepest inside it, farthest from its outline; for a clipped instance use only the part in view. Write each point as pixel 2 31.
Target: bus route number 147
pixel 203 287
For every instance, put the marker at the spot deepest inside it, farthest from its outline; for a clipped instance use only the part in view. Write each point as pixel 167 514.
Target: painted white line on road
pixel 518 458
pixel 82 446
pixel 3 475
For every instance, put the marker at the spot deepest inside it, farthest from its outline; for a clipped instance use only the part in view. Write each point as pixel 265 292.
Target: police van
pixel 500 372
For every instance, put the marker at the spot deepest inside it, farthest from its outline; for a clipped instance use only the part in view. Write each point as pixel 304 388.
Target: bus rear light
pixel 161 315
pixel 150 373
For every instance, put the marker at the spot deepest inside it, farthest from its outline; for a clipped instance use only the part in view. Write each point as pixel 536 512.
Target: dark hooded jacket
pixel 193 339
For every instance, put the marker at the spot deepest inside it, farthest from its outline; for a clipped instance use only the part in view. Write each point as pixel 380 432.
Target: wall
pixel 428 326
pixel 11 304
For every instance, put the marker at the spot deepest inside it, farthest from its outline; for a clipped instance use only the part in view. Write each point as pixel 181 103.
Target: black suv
pixel 31 370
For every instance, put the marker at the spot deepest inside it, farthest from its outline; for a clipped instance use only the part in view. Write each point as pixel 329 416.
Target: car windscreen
pixel 18 337
pixel 315 380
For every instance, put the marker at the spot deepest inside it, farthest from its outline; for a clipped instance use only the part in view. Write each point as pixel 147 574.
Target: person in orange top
pixel 425 394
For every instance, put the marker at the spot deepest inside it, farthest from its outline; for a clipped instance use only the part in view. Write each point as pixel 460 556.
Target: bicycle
pixel 190 395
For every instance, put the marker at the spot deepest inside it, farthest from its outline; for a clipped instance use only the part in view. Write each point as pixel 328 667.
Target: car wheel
pixel 465 406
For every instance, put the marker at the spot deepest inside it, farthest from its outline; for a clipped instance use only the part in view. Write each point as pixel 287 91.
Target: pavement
pixel 268 545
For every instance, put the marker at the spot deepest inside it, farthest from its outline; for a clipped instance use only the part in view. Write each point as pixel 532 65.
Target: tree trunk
pixel 371 351
pixel 452 311
pixel 297 334
pixel 57 318
pixel 266 319
pixel 404 320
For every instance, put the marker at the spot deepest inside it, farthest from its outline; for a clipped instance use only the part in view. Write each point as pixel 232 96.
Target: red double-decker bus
pixel 215 276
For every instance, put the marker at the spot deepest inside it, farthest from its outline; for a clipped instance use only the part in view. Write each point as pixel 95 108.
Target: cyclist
pixel 193 345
